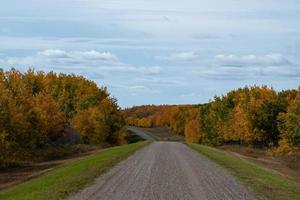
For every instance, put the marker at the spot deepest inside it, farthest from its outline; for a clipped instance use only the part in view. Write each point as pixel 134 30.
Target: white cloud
pixel 77 60
pixel 182 56
pixel 272 59
pixel 128 68
pixel 61 58
pixel 89 55
pixel 53 53
pixel 190 95
pixel 248 72
pixel 137 87
pixel 94 55
pixel 150 70
pixel 247 67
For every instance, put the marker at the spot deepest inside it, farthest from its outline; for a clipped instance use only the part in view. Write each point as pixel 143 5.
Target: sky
pixel 158 51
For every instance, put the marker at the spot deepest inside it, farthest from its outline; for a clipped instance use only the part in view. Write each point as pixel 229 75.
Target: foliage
pixel 284 148
pixel 257 116
pixel 174 117
pixel 290 122
pixel 36 108
pixel 192 131
pixel 244 116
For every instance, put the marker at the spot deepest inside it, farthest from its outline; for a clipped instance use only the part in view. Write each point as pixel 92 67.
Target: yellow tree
pixel 240 128
pixel 290 122
pixel 90 124
pixel 192 131
pixel 51 120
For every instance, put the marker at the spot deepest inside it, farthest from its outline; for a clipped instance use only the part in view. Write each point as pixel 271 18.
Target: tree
pixel 246 115
pixel 240 127
pixel 290 122
pixel 192 131
pixel 36 108
pixel 51 121
pixel 90 124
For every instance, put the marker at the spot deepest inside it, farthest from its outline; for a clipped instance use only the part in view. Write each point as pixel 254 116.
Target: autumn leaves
pixel 257 116
pixel 36 108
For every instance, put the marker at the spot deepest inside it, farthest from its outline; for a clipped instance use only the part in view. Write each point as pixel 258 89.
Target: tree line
pixel 37 109
pixel 257 116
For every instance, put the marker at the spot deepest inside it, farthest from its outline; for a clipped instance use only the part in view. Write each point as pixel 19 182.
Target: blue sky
pixel 158 51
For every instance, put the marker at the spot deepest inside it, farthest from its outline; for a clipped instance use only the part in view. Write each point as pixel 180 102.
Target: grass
pixel 71 177
pixel 265 183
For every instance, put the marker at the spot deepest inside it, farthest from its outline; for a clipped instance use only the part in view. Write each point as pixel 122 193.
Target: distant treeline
pixel 257 116
pixel 37 109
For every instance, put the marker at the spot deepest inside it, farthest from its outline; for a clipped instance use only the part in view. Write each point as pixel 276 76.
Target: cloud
pixel 224 73
pixel 203 36
pixel 137 87
pixel 247 67
pixel 53 53
pixel 94 55
pixel 89 55
pixel 61 58
pixel 57 59
pixel 136 90
pixel 190 95
pixel 248 72
pixel 128 68
pixel 150 70
pixel 272 59
pixel 182 56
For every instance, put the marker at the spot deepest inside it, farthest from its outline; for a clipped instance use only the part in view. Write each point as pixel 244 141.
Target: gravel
pixel 141 133
pixel 166 171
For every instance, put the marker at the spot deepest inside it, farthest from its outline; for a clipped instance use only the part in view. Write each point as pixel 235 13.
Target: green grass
pixel 71 177
pixel 265 183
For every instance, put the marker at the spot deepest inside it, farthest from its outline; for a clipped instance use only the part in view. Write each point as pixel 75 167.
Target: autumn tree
pixel 290 122
pixel 246 116
pixel 192 131
pixel 37 108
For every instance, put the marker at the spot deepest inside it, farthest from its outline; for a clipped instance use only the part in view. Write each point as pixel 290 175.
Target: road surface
pixel 141 133
pixel 166 171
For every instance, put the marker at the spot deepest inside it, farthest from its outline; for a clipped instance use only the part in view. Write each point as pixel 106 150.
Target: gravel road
pixel 141 133
pixel 166 171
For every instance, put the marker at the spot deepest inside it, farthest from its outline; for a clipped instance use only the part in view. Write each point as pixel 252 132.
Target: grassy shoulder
pixel 71 177
pixel 265 183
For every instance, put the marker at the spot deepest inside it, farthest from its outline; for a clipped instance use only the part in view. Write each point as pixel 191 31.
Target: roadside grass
pixel 70 177
pixel 267 184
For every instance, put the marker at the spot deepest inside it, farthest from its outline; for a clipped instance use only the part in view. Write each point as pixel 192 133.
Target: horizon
pixel 210 100
pixel 158 52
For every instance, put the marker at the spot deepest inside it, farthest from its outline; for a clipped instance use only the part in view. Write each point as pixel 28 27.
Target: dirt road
pixel 140 133
pixel 166 171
